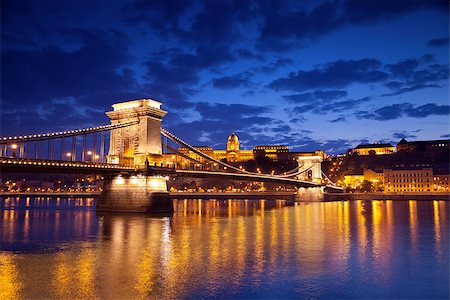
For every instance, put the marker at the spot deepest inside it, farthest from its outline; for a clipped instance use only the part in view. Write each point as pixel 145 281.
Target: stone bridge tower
pixel 132 145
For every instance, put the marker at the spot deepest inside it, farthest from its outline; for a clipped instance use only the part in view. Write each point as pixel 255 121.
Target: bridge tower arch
pixel 311 163
pixel 132 145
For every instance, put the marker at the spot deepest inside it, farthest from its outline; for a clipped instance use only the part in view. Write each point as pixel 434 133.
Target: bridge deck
pixel 9 164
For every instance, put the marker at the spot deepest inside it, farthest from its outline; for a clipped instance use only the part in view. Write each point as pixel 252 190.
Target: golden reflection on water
pixel 10 284
pixel 209 243
pixel 413 223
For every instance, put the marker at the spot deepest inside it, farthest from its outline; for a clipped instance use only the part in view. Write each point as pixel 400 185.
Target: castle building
pixel 233 153
pixel 373 149
pixel 435 145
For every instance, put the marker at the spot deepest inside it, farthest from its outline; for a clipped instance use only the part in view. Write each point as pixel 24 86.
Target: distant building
pixel 233 153
pixel 373 149
pixel 409 179
pixel 353 180
pixel 435 145
pixel 274 152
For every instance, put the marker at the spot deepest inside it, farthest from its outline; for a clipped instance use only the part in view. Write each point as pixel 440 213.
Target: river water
pixel 62 248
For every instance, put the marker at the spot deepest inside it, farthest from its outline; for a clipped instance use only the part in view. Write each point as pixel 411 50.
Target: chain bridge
pixel 135 161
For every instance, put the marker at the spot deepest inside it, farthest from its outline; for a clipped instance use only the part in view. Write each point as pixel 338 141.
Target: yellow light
pixel 89 152
pixel 97 156
pixel 68 154
pixel 14 146
pixel 119 180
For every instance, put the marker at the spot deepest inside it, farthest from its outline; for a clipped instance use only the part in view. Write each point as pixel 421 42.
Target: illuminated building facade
pixel 409 179
pixel 233 153
pixel 376 177
pixel 440 179
pixel 373 149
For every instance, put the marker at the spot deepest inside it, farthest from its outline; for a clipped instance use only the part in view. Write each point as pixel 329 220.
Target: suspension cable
pixel 62 134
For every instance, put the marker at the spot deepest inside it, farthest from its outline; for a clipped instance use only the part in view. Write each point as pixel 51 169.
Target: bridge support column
pixel 312 162
pixel 135 194
pixel 133 144
pixel 312 194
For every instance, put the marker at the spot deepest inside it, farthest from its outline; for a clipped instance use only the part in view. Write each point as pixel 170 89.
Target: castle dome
pixel 233 138
pixel 233 142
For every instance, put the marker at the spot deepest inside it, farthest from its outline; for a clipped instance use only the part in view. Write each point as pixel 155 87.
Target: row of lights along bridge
pixel 90 154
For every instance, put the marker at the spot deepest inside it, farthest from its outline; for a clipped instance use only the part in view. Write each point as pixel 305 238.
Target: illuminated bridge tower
pixel 131 145
pixel 313 163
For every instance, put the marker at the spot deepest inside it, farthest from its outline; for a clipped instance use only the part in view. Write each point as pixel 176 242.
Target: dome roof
pixel 233 138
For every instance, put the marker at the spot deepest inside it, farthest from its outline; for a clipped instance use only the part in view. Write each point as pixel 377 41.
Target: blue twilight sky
pixel 308 74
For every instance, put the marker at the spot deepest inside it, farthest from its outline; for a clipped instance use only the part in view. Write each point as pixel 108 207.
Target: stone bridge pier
pixel 312 194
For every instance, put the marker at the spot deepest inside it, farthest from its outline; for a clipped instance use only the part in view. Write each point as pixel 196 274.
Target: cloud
pixel 339 119
pixel 245 53
pixel 445 136
pixel 94 74
pixel 218 111
pixel 403 135
pixel 438 42
pixel 278 63
pixel 414 74
pixel 395 111
pixel 400 77
pixel 284 27
pixel 316 95
pixel 175 80
pixel 218 120
pixel 325 107
pixel 337 74
pixel 234 81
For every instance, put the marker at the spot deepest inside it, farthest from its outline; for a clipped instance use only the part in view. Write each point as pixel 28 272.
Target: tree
pixel 366 186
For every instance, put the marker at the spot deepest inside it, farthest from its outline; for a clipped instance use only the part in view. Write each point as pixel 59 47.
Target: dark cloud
pixel 403 135
pixel 339 119
pixel 345 105
pixel 426 110
pixel 161 14
pixel 224 112
pixel 404 76
pixel 245 53
pixel 218 120
pixel 273 66
pixel 413 74
pixel 438 42
pixel 283 28
pixel 325 107
pixel 321 95
pixel 234 81
pixel 282 128
pixel 445 136
pixel 90 74
pixel 298 119
pixel 50 117
pixel 336 74
pixel 175 80
pixel 395 111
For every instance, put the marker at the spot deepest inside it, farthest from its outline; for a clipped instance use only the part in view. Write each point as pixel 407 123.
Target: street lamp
pixel 14 147
pixel 96 157
pixel 89 153
pixel 69 156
